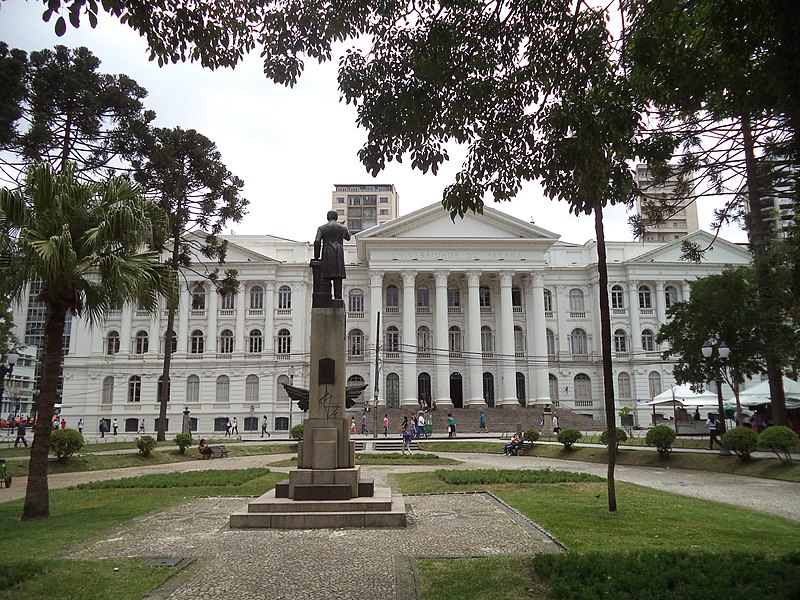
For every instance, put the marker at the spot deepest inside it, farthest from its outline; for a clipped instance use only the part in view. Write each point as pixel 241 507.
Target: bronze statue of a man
pixel 328 244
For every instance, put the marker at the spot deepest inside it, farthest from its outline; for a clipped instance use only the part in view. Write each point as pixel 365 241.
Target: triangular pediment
pixel 719 251
pixel 237 252
pixel 434 223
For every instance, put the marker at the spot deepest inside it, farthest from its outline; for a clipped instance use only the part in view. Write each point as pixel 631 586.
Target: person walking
pixel 406 441
pixel 20 433
pixel 264 425
pixel 102 428
pixel 80 426
pixel 235 428
pixel 364 423
pixel 227 427
pixel 482 423
pixel 420 425
pixel 63 423
pixel 385 425
pixel 556 427
pixel 352 424
pixel 713 428
pixel 115 426
pixel 451 426
pixel 141 426
pixel 404 424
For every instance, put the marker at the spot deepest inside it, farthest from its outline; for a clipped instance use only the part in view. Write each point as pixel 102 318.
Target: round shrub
pixel 531 435
pixel 622 436
pixel 145 444
pixel 662 437
pixel 742 441
pixel 297 432
pixel 568 437
pixel 780 440
pixel 65 442
pixel 183 441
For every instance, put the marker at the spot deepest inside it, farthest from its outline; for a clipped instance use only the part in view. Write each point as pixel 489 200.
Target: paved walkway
pixel 378 563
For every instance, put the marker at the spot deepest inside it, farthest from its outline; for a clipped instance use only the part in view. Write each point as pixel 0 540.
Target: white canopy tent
pixel 685 397
pixel 759 394
pixel 680 400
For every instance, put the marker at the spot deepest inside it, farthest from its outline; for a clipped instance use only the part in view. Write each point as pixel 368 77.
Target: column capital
pixel 409 278
pixel 537 279
pixel 660 285
pixel 441 278
pixel 633 284
pixel 375 278
pixel 269 285
pixel 473 278
pixel 506 278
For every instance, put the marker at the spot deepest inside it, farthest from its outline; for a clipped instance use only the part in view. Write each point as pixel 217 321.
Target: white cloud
pixel 290 146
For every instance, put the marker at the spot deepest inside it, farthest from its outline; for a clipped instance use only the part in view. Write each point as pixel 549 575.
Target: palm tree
pixel 88 245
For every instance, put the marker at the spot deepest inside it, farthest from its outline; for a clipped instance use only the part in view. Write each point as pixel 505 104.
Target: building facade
pixel 362 206
pixel 682 219
pixel 488 311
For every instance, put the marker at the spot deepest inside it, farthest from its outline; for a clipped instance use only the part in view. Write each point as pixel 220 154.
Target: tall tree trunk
pixel 605 346
pixel 37 495
pixel 770 317
pixel 172 305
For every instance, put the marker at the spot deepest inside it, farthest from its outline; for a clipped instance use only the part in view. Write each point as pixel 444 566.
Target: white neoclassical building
pixel 489 310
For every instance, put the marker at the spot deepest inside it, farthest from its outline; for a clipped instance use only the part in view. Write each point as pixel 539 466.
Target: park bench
pixel 217 451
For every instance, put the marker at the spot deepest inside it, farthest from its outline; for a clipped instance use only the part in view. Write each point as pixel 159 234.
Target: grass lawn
pixel 38 567
pixel 770 468
pixel 657 545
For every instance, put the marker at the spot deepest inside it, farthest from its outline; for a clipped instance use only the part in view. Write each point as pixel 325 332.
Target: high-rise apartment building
pixel 363 206
pixel 682 220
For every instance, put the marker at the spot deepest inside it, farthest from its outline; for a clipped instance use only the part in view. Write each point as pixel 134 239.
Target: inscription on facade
pixel 455 255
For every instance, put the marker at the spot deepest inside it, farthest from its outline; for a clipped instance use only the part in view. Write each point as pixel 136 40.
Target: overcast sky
pixel 290 146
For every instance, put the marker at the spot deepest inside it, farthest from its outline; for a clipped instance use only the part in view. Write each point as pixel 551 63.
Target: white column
pixel 155 330
pixel 441 390
pixel 505 333
pixel 375 306
pixel 474 358
pixel 269 317
pixel 301 317
pixel 540 369
pixel 636 328
pixel 182 316
pixel 125 329
pixel 561 307
pixel 409 338
pixel 595 334
pixel 686 291
pixel 661 310
pixel 212 333
pixel 238 334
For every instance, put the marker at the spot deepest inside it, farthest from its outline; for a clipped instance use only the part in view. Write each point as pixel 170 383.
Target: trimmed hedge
pixel 568 437
pixel 780 440
pixel 662 437
pixel 65 442
pixel 742 441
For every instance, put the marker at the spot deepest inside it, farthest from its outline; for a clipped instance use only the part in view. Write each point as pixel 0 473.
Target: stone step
pixel 270 502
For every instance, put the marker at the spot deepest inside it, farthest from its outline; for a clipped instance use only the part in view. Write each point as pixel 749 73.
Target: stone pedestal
pixel 326 490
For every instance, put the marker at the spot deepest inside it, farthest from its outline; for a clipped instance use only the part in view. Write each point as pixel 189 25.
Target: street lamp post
pixel 291 372
pixel 6 369
pixel 717 361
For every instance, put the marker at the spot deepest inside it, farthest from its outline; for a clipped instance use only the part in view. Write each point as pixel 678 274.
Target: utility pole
pixel 377 376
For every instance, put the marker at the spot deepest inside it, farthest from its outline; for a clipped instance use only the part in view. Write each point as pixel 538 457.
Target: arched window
pixel 226 341
pixel 453 296
pixel 198 297
pixel 255 341
pixel 645 299
pixel 173 342
pixel 392 391
pixel 256 298
pixel 670 295
pixel 392 339
pixel 648 341
pixel 251 389
pixel 488 389
pixel 578 342
pixel 519 340
pixel 228 301
pixel 424 387
pixel 617 296
pixel 135 389
pixel 484 296
pixel 624 385
pixel 487 340
pixel 223 389
pixel 423 296
pixel 142 343
pixel 197 342
pixel 654 383
pixel 355 342
pixel 355 300
pixel 520 387
pixel 551 342
pixel 112 342
pixel 553 381
pixel 548 300
pixel 284 297
pixel 193 388
pixel 392 296
pixel 284 342
pixel 424 340
pixel 454 339
pixel 576 301
pixel 107 396
pixel 620 341
pixel 583 387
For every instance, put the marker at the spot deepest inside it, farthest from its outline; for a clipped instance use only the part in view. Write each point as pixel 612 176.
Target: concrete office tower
pixel 684 220
pixel 363 206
